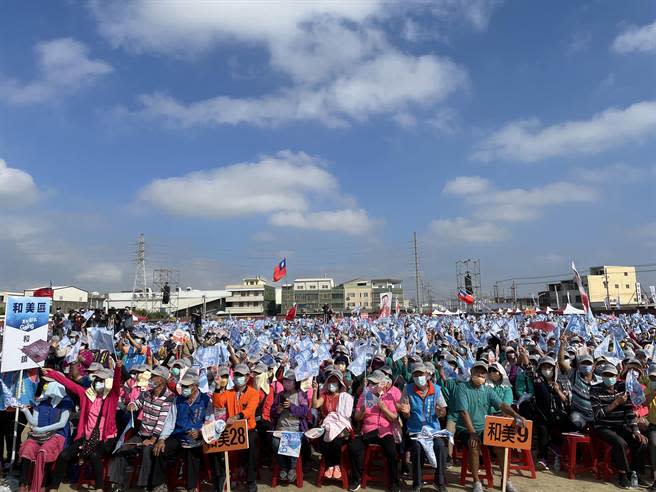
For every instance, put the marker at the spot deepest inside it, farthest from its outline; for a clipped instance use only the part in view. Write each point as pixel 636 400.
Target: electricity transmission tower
pixel 139 286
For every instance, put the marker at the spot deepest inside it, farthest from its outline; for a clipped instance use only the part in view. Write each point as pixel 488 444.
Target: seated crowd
pixel 133 415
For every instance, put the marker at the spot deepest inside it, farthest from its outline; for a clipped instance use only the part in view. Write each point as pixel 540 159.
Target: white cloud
pixel 464 185
pixel 612 173
pixel 349 221
pixel 17 188
pixel 392 83
pixel 101 272
pixel 339 63
pixel 274 183
pixel 515 204
pixel 528 141
pixel 64 67
pixel 286 187
pixel 467 230
pixel 636 39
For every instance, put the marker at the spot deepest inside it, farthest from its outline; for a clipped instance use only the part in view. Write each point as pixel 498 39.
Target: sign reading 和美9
pixel 502 432
pixel 26 322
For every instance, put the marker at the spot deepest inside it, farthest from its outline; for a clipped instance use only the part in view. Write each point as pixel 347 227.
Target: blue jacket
pixel 49 415
pixel 422 410
pixel 188 416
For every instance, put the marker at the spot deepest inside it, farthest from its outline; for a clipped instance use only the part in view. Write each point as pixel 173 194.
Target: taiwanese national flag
pixel 280 271
pixel 291 314
pixel 465 297
pixel 44 292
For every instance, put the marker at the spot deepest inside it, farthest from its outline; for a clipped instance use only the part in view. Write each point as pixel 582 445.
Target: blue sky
pixel 232 134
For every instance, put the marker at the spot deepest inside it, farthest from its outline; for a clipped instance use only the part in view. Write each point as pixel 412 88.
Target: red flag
pixel 280 271
pixel 291 314
pixel 44 292
pixel 542 325
pixel 585 300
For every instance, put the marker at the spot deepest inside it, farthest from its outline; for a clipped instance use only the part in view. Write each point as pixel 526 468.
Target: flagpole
pixel 13 444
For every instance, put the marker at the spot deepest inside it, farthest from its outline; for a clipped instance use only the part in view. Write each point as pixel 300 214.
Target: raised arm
pixel 70 385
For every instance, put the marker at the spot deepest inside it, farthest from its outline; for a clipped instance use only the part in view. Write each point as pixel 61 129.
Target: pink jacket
pixel 374 418
pixel 109 407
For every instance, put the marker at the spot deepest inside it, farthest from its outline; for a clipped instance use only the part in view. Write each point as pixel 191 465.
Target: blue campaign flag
pixel 400 351
pixel 513 331
pixel 359 365
pixel 449 372
pixel 634 388
pixel 576 326
pixel 100 339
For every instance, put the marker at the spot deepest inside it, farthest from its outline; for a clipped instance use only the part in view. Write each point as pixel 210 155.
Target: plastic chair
pixel 487 465
pixel 276 473
pixel 344 466
pixel 374 455
pixel 86 474
pixel 605 469
pixel 522 460
pixel 568 454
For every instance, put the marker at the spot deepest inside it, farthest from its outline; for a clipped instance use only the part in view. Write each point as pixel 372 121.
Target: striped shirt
pixel 622 417
pixel 159 415
pixel 581 394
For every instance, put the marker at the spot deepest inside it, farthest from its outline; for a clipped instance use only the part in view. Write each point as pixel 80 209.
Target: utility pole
pixel 607 288
pixel 140 272
pixel 414 240
pixel 514 294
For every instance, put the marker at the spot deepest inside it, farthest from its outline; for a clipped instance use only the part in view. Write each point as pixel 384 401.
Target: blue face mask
pixel 186 392
pixel 240 380
pixel 585 370
pixel 609 381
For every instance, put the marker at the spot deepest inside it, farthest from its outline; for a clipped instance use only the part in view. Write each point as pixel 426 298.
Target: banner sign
pixel 26 322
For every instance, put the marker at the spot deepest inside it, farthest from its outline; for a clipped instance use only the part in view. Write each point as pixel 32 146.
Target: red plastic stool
pixel 522 460
pixel 86 469
pixel 276 473
pixel 568 454
pixel 343 465
pixel 487 465
pixel 374 452
pixel 605 469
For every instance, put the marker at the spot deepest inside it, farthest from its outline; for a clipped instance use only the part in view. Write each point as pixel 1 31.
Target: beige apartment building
pixel 358 293
pixel 612 282
pixel 253 297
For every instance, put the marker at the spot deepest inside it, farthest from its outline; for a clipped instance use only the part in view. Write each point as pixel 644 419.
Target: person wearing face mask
pixel 615 423
pixel 266 394
pixel 498 381
pixel 650 395
pixel 178 368
pixel 510 365
pixel 581 378
pixel 423 405
pixel 473 399
pixel 341 364
pixel 50 432
pixel 158 419
pixel 290 412
pixel 447 379
pixel 191 410
pixel 97 431
pixel 239 403
pixel 335 407
pixel 552 408
pixel 376 410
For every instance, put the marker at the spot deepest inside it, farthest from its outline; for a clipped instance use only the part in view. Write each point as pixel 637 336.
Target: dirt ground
pixel 545 482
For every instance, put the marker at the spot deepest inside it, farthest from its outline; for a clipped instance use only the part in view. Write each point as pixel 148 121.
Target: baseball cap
pixel 377 377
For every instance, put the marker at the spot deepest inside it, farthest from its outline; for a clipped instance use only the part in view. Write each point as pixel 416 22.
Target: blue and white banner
pixel 26 321
pixel 290 444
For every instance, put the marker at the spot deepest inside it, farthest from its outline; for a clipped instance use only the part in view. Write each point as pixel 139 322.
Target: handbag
pixel 89 446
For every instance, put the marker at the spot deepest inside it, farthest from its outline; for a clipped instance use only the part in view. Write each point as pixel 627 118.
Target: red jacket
pixel 109 407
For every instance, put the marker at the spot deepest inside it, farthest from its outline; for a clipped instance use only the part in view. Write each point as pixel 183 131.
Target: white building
pixel 182 301
pixel 65 297
pixel 253 297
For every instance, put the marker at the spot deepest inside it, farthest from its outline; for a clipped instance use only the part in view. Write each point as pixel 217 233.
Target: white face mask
pixel 240 380
pixel 99 386
pixel 332 387
pixel 420 381
pixel 547 373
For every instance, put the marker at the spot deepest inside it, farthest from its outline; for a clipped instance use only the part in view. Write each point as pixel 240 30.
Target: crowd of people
pixel 133 411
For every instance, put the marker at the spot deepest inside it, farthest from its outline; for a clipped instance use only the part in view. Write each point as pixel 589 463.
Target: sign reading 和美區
pixel 26 321
pixel 502 432
pixel 233 438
